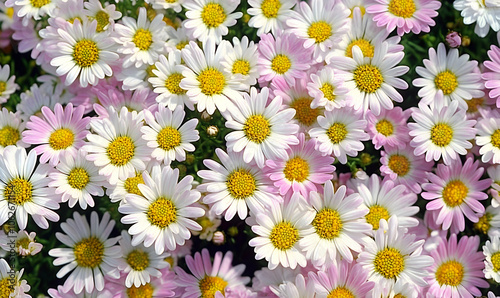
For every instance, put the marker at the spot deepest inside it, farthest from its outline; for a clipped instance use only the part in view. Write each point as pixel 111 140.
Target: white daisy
pixel 327 88
pixel 11 127
pixel 491 250
pixel 488 137
pixel 28 9
pixel 269 15
pixel 178 38
pixel 7 85
pixel 11 284
pixel 6 16
pixel 241 59
pixel 485 13
pixel 90 255
pixel 105 17
pixel 119 191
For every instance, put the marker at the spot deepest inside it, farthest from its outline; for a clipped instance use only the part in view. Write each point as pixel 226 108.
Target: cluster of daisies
pixel 108 120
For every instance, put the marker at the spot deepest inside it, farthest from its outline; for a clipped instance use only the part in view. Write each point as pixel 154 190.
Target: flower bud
pixel 453 39
pixel 212 130
pixel 218 238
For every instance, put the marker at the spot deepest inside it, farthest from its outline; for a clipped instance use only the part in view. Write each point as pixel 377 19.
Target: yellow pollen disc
pixel 210 285
pixel 172 83
pixel 213 15
pixel 495 261
pixel 389 262
pixel 361 8
pixel 384 127
pixel 61 139
pixel 327 90
pixel 296 169
pixel 162 212
pixel 281 64
pixel 121 151
pixel 9 136
pixel 446 81
pixel 102 20
pixel 168 138
pixel 337 132
pixel 138 260
pixel 327 223
pixel 181 45
pixel 6 288
pixel 257 128
pixel 3 86
pixel 132 182
pixel 23 242
pixel 241 66
pixel 204 222
pixel 473 104
pixel 454 193
pixel 450 273
pixel 72 20
pixel 319 31
pixel 366 48
pixel 303 112
pixel 483 224
pixel 10 12
pixel 212 81
pixel 143 291
pixel 149 71
pixel 399 164
pixel 368 78
pixel 78 178
pixel 270 8
pixel 284 235
pixel 495 138
pixel 376 213
pixel 241 184
pixel 399 296
pixel 143 39
pixel 39 3
pixel 441 134
pixel 85 53
pixel 340 292
pixel 402 8
pixel 18 191
pixel 89 252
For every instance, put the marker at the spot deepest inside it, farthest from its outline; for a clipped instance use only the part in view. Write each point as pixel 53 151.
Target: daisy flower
pixel 488 137
pixel 341 132
pixel 389 128
pixel 296 289
pixel 178 38
pixel 90 255
pixel 11 283
pixel 116 146
pixel 36 97
pixel 162 217
pixel 457 268
pixel 23 189
pixel 448 77
pixel 490 74
pixel 491 251
pixel 338 227
pixel 241 60
pixel 372 81
pixel 483 13
pixel 327 89
pixel 262 131
pixel 494 191
pixel 83 53
pixel 23 243
pixel 11 127
pixel 264 279
pixel 233 184
pixel 405 15
pixel 168 139
pixel 489 222
pixel 269 15
pixel 280 230
pixel 141 41
pixel 209 279
pixel 27 10
pixel 455 191
pixel 158 287
pixel 7 85
pixel 6 17
pixel 210 19
pixel 105 17
pixel 113 96
pixel 441 132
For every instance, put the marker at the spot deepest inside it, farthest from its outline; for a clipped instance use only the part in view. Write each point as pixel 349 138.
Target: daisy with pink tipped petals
pixel 389 128
pixel 455 190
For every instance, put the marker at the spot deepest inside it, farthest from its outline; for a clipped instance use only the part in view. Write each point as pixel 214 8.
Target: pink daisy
pixel 455 191
pixel 491 75
pixel 406 15
pixel 59 133
pixel 389 128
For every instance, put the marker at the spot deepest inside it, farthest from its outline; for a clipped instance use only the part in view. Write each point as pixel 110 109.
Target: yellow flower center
pixel 303 112
pixel 495 261
pixel 102 20
pixel 327 90
pixel 327 223
pixel 319 31
pixel 389 262
pixel 172 83
pixel 138 260
pixel 210 285
pixel 241 184
pixel 376 213
pixel 10 12
pixel 340 292
pixel 39 3
pixel 168 138
pixel 78 178
pixel 454 193
pixel 143 39
pixel 402 8
pixel 181 45
pixel 85 53
pixel 368 78
pixel 270 8
pixel 441 134
pixel 483 224
pixel 399 164
pixel 296 169
pixel 384 127
pixel 162 212
pixel 131 184
pixel 284 235
pixel 3 86
pixel 23 243
pixel 446 81
pixel 18 191
pixel 143 291
pixel 366 48
pixel 361 8
pixel 257 128
pixel 121 151
pixel 6 288
pixel 213 15
pixel 450 273
pixel 399 296
pixel 89 252
pixel 8 136
pixel 495 138
pixel 212 81
pixel 337 132
pixel 281 64
pixel 473 104
pixel 241 66
pixel 61 139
